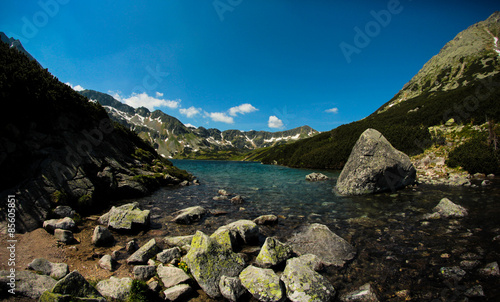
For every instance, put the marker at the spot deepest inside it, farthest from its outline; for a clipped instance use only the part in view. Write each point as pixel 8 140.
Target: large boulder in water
pixel 375 166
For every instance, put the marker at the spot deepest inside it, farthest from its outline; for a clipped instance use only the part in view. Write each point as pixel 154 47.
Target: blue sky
pixel 241 64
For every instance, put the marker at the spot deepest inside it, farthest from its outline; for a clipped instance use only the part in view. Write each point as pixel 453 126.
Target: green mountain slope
pixel 462 82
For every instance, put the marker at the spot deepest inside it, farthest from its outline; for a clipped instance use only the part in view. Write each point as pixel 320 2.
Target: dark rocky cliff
pixel 57 148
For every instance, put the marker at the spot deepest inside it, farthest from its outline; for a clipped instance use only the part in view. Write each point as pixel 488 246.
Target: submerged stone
pixel 363 294
pixel 189 215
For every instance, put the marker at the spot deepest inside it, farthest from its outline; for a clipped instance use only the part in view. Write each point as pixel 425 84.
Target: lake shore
pixel 399 253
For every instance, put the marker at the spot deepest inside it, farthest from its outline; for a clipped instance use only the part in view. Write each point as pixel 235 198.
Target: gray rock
pixel 316 177
pixel 115 288
pixel 189 215
pixel 126 217
pixel 171 276
pixel 154 286
pixel 304 284
pixel 64 211
pixel 446 208
pixel 310 260
pixel 363 294
pixel 144 272
pixel 144 253
pixel 375 166
pixel 237 199
pixel 475 292
pixel 102 236
pixel 469 264
pixel 54 270
pixel 223 192
pixel 63 223
pixel 176 292
pixel 178 240
pixel 26 283
pixel 131 246
pixel 64 236
pixel 169 255
pixel 272 253
pixel 317 239
pixel 266 220
pixel 231 288
pixel 208 261
pixel 262 283
pixel 491 269
pixel 107 262
pixel 485 183
pixel 70 287
pixel 245 231
pixel 454 272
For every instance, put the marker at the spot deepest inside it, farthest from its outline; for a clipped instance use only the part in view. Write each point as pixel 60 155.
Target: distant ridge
pixel 171 138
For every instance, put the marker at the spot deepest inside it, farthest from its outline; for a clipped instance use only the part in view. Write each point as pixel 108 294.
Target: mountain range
pixel 171 138
pixel 461 82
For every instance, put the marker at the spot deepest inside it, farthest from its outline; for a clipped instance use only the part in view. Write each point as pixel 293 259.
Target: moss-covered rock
pixel 273 252
pixel 126 217
pixel 115 288
pixel 208 261
pixel 304 284
pixel 73 287
pixel 262 283
pixel 241 231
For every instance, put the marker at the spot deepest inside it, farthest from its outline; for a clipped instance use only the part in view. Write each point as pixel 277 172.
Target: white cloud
pixel 190 126
pixel 275 122
pixel 333 110
pixel 159 94
pixel 242 109
pixel 190 112
pixel 75 88
pixel 144 100
pixel 221 117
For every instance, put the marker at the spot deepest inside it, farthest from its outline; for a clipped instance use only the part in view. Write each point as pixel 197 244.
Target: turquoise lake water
pixel 397 249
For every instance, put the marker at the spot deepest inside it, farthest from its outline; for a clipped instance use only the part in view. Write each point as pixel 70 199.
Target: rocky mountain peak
pixel 472 55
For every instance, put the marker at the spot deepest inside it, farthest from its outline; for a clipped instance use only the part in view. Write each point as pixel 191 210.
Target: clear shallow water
pixel 397 249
